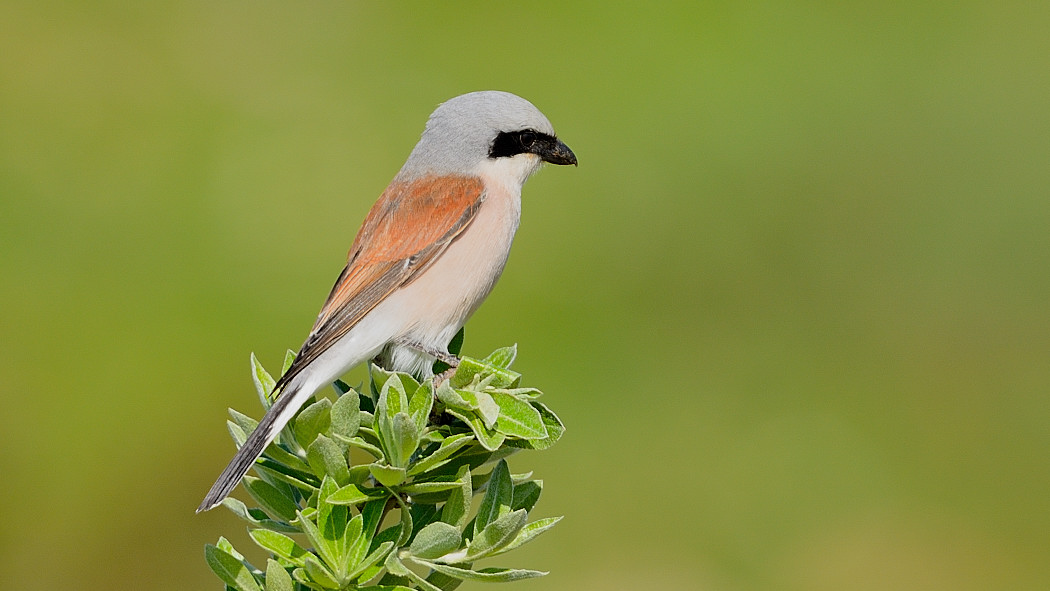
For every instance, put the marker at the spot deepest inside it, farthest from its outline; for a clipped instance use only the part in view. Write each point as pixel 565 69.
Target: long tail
pixel 276 418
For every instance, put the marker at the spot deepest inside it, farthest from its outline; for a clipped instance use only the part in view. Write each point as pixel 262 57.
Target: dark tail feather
pixel 275 419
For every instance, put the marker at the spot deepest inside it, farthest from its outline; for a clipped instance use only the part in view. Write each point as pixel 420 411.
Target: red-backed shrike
pixel 429 252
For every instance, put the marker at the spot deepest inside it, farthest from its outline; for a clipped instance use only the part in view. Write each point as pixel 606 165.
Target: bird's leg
pixel 442 356
pixel 443 376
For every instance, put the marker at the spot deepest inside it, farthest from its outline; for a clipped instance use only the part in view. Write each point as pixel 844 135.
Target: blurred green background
pixel 793 304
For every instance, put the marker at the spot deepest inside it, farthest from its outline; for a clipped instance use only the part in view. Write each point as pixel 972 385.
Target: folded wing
pixel 407 229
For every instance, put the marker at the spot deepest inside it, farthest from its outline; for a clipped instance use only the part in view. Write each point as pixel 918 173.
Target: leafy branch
pixel 429 451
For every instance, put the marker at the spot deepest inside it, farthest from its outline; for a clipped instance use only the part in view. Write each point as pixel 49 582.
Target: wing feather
pixel 407 229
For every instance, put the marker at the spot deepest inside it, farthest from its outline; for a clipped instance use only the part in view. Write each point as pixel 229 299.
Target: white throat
pixel 510 172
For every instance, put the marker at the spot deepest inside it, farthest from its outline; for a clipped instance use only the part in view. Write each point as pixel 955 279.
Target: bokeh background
pixel 793 304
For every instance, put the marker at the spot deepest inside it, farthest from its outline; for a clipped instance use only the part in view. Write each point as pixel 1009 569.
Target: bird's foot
pixel 444 376
pixel 442 356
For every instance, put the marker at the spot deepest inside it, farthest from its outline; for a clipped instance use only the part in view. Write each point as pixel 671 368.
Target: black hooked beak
pixel 529 141
pixel 553 150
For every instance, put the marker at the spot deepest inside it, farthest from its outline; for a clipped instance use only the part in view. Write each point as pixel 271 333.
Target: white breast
pixel 440 301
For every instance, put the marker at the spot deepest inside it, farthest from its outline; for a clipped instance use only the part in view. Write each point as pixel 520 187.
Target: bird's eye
pixel 527 138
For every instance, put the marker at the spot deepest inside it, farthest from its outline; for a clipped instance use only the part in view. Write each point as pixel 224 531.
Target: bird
pixel 427 254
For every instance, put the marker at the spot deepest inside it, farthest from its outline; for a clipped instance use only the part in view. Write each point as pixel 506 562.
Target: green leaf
pixel 246 423
pixel 326 550
pixel 357 547
pixel 332 521
pixel 436 539
pixel 354 544
pixel 550 421
pixel 420 405
pixel 370 574
pixel 276 504
pixel 440 456
pixel 418 488
pixel 305 481
pixel 405 439
pixel 320 574
pixel 359 474
pixel 504 378
pixel 236 433
pixel 362 444
pixel 312 421
pixel 471 369
pixel 280 545
pixel 392 400
pixel 372 513
pixel 495 535
pixel 346 414
pixel 393 397
pixel 528 533
pixel 526 494
pixel 303 579
pixel 406 522
pixel 327 458
pixel 423 514
pixel 468 368
pixel 408 381
pixel 431 493
pixel 521 478
pixel 277 579
pixel 336 526
pixel 522 393
pixel 451 397
pixel 433 435
pixel 395 567
pixel 455 511
pixel 378 377
pixel 351 494
pixel 368 429
pixel 263 382
pixel 387 475
pixel 283 456
pixel 473 455
pixel 278 480
pixel 390 534
pixel 371 560
pixel 470 397
pixel 502 357
pixel 289 358
pixel 225 545
pixel 443 581
pixel 488 410
pixel 518 418
pixel 487 575
pixel 256 517
pixel 498 496
pixel 230 569
pixel 488 438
